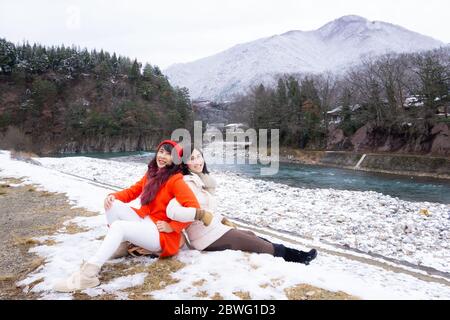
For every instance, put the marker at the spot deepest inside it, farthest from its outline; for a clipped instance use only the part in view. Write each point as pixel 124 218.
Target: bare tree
pixel 433 79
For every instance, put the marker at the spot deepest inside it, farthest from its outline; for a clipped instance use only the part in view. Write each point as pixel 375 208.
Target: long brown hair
pixel 156 177
pixel 187 150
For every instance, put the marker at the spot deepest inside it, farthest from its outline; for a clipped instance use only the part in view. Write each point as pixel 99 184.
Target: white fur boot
pixel 86 277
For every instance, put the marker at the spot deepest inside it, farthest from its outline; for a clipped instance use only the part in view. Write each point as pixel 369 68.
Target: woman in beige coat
pixel 210 231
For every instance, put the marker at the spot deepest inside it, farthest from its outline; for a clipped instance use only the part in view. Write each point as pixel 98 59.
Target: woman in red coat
pixel 147 227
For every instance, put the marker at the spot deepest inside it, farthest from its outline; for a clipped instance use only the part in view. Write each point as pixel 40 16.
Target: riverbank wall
pixel 401 164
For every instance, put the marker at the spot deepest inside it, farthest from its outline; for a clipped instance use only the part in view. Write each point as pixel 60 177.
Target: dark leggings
pixel 243 241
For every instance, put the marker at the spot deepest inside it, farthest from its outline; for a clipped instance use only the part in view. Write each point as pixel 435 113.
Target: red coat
pixel 175 187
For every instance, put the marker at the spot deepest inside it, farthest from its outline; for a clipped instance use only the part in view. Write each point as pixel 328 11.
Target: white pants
pixel 126 225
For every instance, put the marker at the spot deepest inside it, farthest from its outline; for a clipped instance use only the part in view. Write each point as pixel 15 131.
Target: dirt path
pixel 26 213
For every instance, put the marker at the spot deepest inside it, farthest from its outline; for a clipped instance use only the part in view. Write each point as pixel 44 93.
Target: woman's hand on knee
pixel 109 201
pixel 164 227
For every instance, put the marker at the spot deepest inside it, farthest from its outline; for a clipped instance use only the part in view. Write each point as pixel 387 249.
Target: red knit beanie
pixel 174 144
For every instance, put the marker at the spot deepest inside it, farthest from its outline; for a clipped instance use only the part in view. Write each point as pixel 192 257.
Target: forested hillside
pixel 392 103
pixel 67 99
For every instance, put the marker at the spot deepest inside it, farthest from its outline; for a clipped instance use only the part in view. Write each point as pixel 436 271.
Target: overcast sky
pixel 164 32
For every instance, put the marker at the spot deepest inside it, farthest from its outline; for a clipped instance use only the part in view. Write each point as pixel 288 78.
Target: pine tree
pixel 135 71
pixel 148 72
pixel 347 124
pixel 7 56
pixel 114 64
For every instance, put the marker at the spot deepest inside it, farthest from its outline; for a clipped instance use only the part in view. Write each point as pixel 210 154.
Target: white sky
pixel 164 32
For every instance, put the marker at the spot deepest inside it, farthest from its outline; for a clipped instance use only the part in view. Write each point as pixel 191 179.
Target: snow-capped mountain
pixel 333 47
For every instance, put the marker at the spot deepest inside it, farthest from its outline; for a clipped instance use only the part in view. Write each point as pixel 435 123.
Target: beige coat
pixel 199 236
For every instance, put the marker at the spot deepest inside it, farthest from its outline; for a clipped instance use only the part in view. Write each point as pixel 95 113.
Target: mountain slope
pixel 333 47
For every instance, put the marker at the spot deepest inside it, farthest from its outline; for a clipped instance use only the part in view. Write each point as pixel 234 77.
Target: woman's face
pixel 196 162
pixel 163 158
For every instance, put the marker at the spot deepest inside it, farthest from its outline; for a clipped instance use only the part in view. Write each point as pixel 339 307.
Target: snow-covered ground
pixel 375 221
pixel 367 221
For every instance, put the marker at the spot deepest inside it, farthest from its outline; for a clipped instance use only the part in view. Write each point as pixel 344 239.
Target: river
pixel 310 176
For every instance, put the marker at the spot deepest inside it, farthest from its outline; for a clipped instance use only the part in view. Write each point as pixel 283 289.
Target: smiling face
pixel 163 157
pixel 196 162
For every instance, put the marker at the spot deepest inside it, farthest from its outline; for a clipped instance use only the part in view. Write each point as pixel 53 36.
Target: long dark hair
pixel 187 150
pixel 156 177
